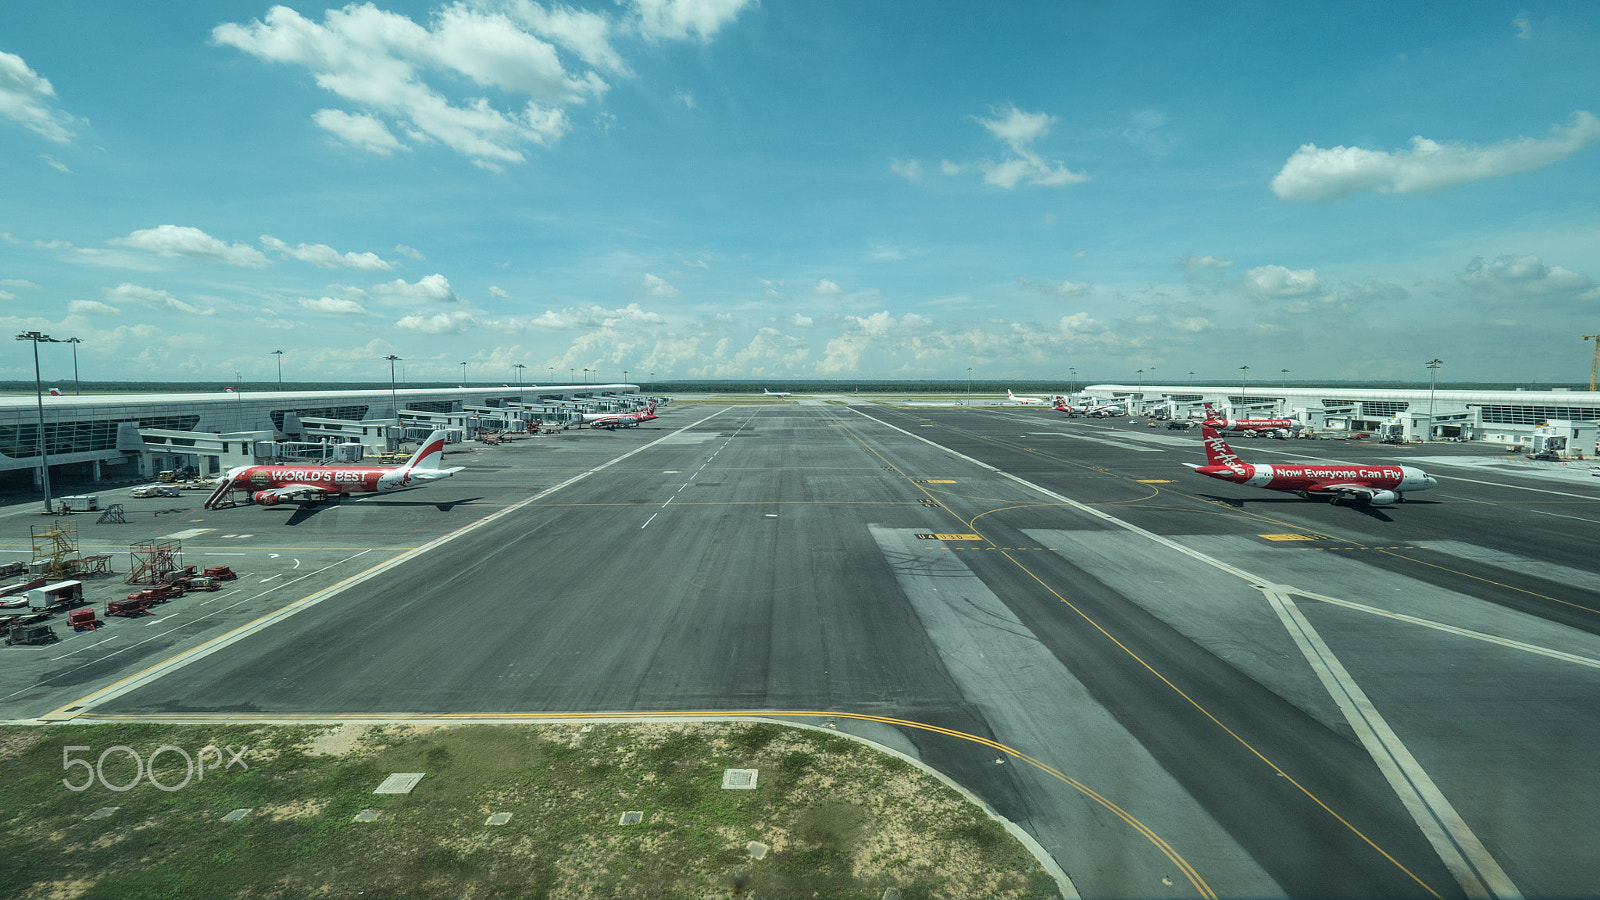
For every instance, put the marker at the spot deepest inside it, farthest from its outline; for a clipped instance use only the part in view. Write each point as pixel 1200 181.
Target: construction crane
pixel 1594 370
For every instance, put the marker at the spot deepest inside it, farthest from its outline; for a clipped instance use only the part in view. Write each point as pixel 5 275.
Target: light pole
pixel 969 385
pixel 1283 381
pixel 1191 379
pixel 1072 386
pixel 1243 380
pixel 463 374
pixel 76 388
pixel 519 367
pixel 1433 371
pixel 393 403
pixel 586 373
pixel 279 355
pixel 38 396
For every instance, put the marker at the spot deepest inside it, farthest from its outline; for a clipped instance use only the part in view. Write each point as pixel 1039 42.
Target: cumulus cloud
pixel 1313 173
pixel 408 252
pixel 154 299
pixel 325 257
pixel 827 287
pixel 433 288
pixel 437 323
pixel 1523 278
pixel 382 61
pixel 359 130
pixel 679 19
pixel 800 321
pixel 1277 282
pixel 595 317
pixel 658 287
pixel 92 308
pixel 25 98
pixel 1018 130
pixel 182 240
pixel 500 292
pixel 333 305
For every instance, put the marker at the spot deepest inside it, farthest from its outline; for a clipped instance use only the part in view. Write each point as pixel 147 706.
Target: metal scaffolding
pixel 55 549
pixel 154 561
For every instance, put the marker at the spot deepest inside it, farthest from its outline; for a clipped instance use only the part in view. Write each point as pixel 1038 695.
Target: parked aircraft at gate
pixel 271 485
pixel 1374 485
pixel 1224 424
pixel 622 419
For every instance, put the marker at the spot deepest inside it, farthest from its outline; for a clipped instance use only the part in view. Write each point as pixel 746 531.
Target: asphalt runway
pixel 1179 686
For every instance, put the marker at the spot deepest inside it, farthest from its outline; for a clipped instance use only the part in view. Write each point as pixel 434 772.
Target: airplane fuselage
pixel 1254 424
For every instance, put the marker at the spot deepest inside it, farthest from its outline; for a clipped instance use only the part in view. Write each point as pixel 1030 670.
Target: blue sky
pixel 722 188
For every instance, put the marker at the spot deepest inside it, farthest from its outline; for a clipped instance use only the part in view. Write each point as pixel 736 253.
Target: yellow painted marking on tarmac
pixel 1201 709
pixel 1293 537
pixel 1166 849
pixel 949 537
pixel 1156 481
pixel 1491 581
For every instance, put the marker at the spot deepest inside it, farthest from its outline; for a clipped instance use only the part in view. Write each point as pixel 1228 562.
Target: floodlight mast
pixel 38 396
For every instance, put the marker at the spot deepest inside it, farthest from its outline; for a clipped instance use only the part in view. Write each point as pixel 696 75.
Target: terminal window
pixel 1533 415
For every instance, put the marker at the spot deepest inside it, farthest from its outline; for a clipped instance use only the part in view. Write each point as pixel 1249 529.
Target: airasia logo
pixel 1219 449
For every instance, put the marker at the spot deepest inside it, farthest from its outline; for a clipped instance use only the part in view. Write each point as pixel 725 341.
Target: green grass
pixel 842 820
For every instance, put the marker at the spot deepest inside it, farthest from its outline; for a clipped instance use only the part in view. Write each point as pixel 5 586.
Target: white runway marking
pixel 649 520
pixel 1458 848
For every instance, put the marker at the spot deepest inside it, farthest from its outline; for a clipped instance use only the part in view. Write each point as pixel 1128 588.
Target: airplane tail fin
pixel 429 454
pixel 1009 395
pixel 1218 453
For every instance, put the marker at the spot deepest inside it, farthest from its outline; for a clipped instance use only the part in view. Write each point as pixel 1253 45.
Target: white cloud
pixel 56 164
pixel 182 240
pixel 408 252
pixel 909 169
pixel 333 305
pixel 325 257
pixel 595 317
pixel 585 33
pixel 1057 288
pixel 1511 279
pixel 1204 262
pixel 1524 27
pixel 1316 174
pixel 92 308
pixel 827 287
pixel 685 98
pixel 359 130
pixel 155 299
pixel 1019 130
pixel 677 19
pixel 1277 282
pixel 382 60
pixel 25 99
pixel 800 321
pixel 496 291
pixel 658 287
pixel 437 323
pixel 433 288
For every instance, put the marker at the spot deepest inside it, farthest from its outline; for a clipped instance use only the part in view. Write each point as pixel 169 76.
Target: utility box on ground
pixel 1563 439
pixel 81 502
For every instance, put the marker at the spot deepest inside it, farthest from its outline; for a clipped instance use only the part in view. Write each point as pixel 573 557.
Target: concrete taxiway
pixel 1180 687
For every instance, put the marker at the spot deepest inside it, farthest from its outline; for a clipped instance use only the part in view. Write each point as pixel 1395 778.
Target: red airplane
pixel 271 485
pixel 621 420
pixel 1373 485
pixel 1224 424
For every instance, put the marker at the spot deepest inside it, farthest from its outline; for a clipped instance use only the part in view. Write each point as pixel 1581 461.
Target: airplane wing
pixel 297 492
pixel 1348 491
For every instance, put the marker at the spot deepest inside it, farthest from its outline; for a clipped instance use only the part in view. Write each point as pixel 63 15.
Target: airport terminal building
pixel 89 438
pixel 1508 417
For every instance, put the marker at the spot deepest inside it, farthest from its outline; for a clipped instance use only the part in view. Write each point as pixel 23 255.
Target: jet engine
pixel 1383 498
pixel 266 498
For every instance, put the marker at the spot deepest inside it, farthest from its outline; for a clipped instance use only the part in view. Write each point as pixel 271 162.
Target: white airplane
pixel 1025 401
pixel 774 393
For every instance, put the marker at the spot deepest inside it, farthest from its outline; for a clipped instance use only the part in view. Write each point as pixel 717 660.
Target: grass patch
pixel 841 820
